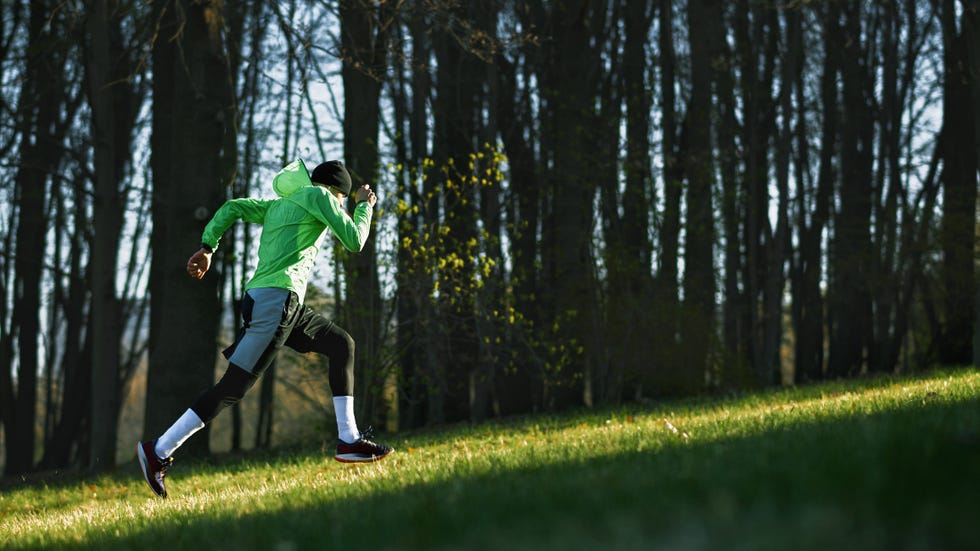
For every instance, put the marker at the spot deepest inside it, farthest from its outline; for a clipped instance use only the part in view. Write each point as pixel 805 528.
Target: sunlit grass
pixel 878 463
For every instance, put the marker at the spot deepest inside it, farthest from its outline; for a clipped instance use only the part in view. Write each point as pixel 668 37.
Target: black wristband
pixel 207 248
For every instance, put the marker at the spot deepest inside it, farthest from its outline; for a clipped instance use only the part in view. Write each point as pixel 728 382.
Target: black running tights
pixel 229 390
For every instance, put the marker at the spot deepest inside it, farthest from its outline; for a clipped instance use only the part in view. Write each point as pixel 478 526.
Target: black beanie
pixel 333 174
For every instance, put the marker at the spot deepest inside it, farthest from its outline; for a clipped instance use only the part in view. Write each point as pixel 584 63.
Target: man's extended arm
pixel 249 210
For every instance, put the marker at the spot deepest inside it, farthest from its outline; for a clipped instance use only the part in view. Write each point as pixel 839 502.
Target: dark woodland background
pixel 582 202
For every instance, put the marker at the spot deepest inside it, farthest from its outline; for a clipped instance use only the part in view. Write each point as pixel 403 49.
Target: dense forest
pixel 582 203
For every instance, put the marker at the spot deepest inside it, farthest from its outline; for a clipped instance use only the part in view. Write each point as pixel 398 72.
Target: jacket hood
pixel 291 178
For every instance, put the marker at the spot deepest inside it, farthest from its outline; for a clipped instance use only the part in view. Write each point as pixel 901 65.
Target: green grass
pixel 873 464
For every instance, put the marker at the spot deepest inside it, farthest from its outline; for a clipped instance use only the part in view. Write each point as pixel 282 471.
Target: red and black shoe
pixel 154 469
pixel 361 451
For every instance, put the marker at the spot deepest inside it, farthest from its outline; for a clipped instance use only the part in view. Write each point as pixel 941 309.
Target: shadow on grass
pixel 122 473
pixel 901 479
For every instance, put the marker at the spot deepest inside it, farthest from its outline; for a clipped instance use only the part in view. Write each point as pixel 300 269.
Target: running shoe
pixel 154 469
pixel 361 451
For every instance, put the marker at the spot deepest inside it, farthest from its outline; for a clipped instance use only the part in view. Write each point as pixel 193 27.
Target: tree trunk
pixel 492 286
pixel 412 279
pixel 604 374
pixel 674 147
pixel 735 369
pixel 42 97
pixel 883 350
pixel 520 388
pixel 25 322
pixel 363 36
pixel 807 296
pixel 63 446
pixel 959 222
pixel 454 115
pixel 627 243
pixel 191 90
pixel 57 215
pixel 432 338
pixel 7 395
pixel 756 31
pixel 568 85
pixel 112 101
pixel 238 264
pixel 971 34
pixel 406 301
pixel 755 178
pixel 850 266
pixel 917 226
pixel 704 18
pixel 768 366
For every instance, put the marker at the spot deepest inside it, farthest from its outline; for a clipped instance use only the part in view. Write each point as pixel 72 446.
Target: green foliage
pixel 457 267
pixel 450 259
pixel 871 464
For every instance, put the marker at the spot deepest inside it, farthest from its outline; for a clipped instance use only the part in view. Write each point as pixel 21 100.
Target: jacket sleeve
pixel 351 230
pixel 249 210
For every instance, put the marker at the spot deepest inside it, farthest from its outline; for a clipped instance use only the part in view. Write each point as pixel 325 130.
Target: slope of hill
pixel 875 464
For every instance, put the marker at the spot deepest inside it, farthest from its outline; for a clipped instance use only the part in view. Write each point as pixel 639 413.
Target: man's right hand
pixel 364 193
pixel 199 263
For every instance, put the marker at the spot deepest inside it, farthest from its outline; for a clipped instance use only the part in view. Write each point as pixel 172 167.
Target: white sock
pixel 347 431
pixel 178 433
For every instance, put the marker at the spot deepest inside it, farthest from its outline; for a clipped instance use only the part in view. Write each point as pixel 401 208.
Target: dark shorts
pixel 273 318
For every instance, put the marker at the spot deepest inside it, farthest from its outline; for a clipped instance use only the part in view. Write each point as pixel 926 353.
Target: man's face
pixel 338 194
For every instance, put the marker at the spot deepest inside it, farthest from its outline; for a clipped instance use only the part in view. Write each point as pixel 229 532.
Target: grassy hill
pixel 874 464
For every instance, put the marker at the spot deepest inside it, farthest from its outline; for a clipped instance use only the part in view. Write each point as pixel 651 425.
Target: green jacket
pixel 293 229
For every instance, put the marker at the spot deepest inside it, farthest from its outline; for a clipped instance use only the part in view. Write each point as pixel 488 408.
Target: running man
pixel 294 227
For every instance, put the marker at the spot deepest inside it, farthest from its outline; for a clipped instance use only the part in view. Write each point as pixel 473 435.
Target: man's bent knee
pixel 227 391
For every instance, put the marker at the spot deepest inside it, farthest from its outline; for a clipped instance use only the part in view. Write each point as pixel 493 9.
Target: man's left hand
pixel 364 193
